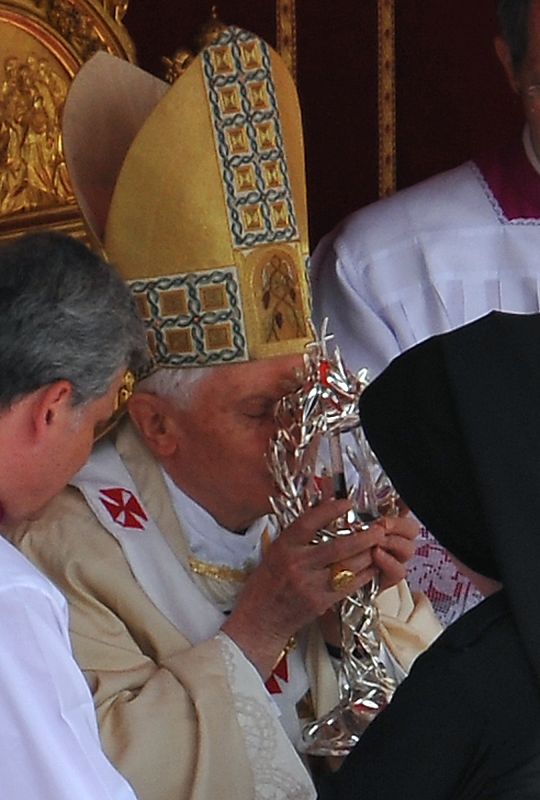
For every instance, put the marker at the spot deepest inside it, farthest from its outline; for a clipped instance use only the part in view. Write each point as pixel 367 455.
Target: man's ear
pixel 153 419
pixel 503 54
pixel 49 406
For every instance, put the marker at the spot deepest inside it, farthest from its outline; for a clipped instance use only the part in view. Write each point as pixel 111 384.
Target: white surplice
pixel 50 744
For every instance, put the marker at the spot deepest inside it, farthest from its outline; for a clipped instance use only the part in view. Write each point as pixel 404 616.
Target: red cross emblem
pixel 124 508
pixel 281 670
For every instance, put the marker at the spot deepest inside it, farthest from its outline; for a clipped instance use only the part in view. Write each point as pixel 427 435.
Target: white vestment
pixel 50 746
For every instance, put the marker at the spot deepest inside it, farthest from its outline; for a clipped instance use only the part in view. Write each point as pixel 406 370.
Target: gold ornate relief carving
pixel 82 24
pixel 387 97
pixel 180 60
pixel 42 45
pixel 33 172
pixel 210 31
pixel 286 33
pixel 176 64
pixel 75 26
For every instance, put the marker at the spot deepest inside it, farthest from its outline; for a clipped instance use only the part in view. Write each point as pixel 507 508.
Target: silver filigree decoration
pixel 308 447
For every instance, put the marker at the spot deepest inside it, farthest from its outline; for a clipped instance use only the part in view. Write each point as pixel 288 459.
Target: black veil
pixel 455 422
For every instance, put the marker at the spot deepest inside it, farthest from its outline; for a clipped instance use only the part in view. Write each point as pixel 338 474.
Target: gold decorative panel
pixel 42 45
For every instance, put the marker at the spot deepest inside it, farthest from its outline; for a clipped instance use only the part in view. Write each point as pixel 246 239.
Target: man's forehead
pixel 279 373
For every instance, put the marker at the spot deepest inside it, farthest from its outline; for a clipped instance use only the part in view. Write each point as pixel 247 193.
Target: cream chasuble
pixel 169 689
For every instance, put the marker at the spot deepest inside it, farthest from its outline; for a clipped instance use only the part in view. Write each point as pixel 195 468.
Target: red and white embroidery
pixel 124 508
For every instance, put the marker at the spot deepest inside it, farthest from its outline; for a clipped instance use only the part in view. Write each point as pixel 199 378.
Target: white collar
pixel 208 540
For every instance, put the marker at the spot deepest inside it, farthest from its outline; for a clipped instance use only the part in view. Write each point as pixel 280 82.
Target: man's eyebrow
pixel 270 397
pixel 287 385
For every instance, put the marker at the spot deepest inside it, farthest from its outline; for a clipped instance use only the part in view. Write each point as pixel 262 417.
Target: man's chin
pixel 11 519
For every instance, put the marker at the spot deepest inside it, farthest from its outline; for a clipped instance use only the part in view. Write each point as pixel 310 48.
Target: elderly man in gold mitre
pixel 183 600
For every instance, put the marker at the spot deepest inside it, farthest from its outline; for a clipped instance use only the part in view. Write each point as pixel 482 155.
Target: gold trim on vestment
pixel 219 571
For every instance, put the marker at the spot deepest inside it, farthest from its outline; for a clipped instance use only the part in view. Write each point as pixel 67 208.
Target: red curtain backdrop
pixel 452 99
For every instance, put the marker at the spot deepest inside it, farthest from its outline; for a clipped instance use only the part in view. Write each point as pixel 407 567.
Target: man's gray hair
pixel 64 315
pixel 176 384
pixel 514 22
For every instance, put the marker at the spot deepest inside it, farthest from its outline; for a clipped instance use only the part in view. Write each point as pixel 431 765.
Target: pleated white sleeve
pixel 426 260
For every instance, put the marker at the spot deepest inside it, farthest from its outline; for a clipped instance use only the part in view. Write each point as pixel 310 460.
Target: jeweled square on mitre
pixel 251 55
pixel 266 135
pixel 221 59
pixel 258 95
pixel 280 214
pixel 213 298
pixel 143 306
pixel 252 218
pixel 173 303
pixel 229 100
pixel 245 178
pixel 237 141
pixel 179 340
pixel 219 336
pixel 273 177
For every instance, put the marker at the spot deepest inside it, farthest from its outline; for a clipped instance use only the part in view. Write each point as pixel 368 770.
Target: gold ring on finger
pixel 341 578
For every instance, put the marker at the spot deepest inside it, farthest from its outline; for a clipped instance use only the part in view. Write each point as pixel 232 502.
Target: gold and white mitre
pixel 197 194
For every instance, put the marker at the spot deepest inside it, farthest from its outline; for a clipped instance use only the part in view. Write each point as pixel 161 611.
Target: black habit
pixel 455 422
